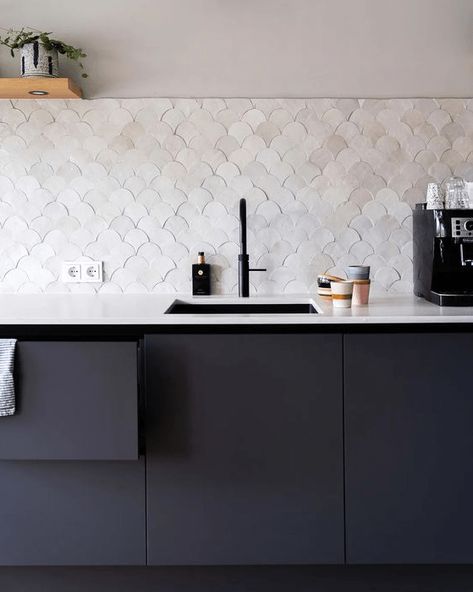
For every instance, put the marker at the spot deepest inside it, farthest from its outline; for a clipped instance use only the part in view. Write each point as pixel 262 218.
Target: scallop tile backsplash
pixel 143 184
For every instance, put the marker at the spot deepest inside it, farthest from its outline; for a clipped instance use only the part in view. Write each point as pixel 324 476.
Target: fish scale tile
pixel 145 183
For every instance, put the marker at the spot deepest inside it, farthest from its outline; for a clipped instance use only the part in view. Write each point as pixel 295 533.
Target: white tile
pixel 143 184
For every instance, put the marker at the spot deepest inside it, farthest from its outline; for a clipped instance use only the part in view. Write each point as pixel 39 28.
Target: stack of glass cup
pixel 455 196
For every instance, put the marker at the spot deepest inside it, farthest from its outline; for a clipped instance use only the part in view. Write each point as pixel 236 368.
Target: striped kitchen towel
pixel 7 386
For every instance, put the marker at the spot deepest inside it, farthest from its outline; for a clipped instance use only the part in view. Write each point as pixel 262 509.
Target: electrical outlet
pixel 82 271
pixel 71 272
pixel 92 271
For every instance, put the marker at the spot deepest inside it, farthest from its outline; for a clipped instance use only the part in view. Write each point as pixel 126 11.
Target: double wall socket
pixel 82 271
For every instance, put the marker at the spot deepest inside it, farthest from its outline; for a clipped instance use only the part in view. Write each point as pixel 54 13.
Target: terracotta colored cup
pixel 361 292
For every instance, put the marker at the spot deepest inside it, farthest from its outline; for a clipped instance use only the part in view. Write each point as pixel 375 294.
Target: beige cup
pixel 361 292
pixel 342 293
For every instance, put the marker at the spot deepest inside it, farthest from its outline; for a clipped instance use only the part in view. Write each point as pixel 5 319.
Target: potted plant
pixel 39 51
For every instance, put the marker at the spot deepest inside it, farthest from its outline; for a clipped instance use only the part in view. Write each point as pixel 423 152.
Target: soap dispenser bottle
pixel 201 276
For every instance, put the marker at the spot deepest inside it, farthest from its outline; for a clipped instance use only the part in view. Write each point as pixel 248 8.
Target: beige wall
pixel 143 48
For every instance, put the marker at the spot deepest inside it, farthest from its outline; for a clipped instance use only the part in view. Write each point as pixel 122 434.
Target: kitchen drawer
pixel 76 400
pixel 72 513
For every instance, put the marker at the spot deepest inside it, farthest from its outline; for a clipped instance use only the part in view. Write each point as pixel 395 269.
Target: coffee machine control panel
pixel 462 227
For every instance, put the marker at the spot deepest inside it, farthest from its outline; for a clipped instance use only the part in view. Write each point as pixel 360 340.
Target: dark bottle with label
pixel 201 277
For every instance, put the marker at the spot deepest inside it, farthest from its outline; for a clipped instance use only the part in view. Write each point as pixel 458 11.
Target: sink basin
pixel 225 308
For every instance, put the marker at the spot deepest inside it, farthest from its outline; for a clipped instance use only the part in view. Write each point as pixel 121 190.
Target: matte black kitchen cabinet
pixel 244 449
pixel 72 513
pixel 409 448
pixel 76 400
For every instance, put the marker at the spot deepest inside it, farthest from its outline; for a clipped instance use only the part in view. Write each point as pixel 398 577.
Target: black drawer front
pixel 76 400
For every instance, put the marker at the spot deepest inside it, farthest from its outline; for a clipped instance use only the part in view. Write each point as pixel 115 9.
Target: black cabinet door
pixel 72 513
pixel 244 449
pixel 76 400
pixel 409 448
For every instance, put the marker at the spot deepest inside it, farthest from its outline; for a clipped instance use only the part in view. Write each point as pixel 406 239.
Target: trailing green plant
pixel 14 40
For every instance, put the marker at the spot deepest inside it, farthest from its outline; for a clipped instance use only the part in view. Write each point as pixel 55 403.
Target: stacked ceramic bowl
pixel 324 284
pixel 360 276
pixel 343 293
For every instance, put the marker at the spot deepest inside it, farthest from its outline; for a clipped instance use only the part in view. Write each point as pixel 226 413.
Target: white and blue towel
pixel 7 386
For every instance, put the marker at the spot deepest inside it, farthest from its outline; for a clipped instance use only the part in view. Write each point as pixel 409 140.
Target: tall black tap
pixel 243 257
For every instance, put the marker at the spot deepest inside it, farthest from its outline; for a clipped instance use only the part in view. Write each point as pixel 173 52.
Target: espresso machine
pixel 443 255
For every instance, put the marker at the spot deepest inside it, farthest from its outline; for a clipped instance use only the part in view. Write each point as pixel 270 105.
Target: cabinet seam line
pixel 344 455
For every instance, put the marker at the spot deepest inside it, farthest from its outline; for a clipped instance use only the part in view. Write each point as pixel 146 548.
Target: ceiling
pixel 286 48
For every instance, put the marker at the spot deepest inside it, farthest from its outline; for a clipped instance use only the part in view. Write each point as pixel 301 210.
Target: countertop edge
pixel 149 310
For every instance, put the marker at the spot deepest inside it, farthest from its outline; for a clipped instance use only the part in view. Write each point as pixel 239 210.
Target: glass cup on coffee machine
pixel 456 195
pixel 434 197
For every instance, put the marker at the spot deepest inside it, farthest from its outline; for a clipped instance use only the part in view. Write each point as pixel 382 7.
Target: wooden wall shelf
pixel 34 87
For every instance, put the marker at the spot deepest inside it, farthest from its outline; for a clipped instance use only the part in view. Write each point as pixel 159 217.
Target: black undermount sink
pixel 180 307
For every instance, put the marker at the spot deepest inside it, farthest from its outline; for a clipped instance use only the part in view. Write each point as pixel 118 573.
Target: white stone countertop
pixel 149 309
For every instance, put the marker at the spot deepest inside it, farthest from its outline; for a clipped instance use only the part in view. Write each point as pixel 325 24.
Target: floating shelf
pixel 36 87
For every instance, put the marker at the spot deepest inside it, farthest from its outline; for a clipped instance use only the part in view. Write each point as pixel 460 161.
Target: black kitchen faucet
pixel 243 257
